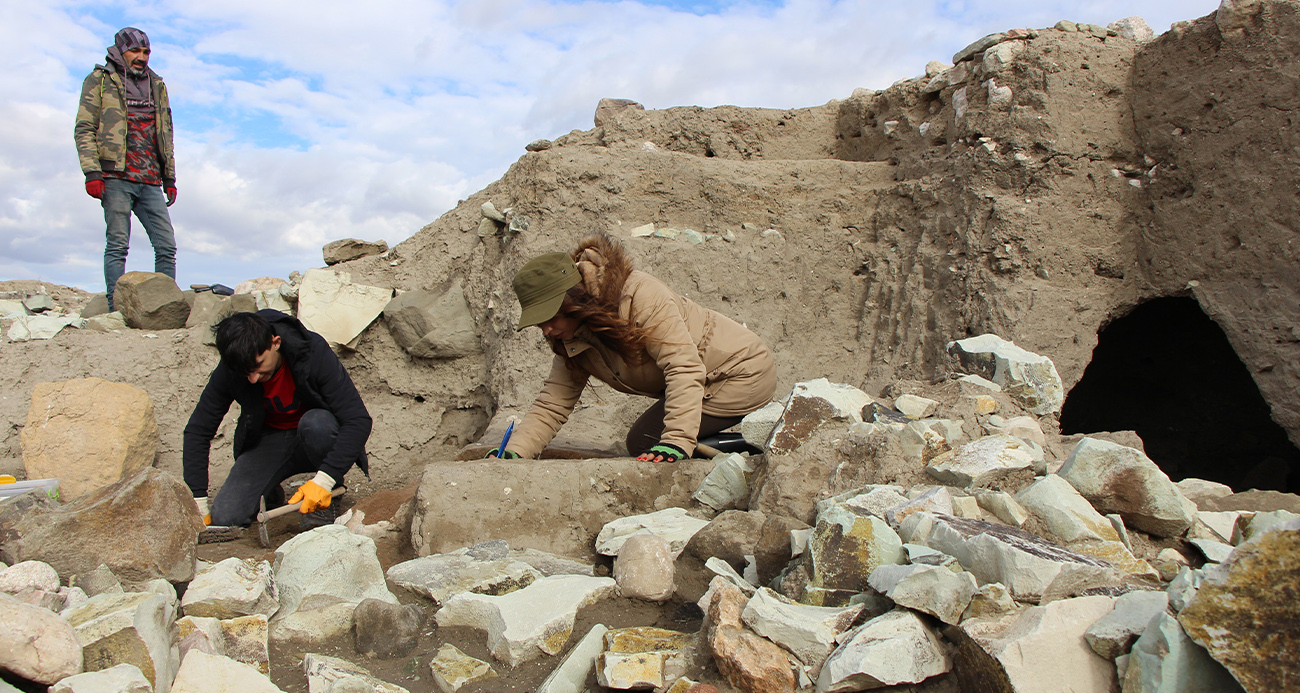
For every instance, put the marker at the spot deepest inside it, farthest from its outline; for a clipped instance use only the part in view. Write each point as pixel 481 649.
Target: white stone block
pixel 672 524
pixel 895 648
pixel 206 673
pixel 526 624
pixel 330 305
pixel 982 461
pixel 807 631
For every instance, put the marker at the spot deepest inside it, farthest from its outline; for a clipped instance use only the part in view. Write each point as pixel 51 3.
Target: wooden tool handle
pixel 286 509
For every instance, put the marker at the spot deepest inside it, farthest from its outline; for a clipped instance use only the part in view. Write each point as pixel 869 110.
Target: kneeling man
pixel 299 413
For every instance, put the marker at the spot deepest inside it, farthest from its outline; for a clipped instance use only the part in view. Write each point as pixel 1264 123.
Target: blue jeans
pixel 121 197
pixel 279 455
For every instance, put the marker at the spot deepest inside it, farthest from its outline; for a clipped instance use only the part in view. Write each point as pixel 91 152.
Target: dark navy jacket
pixel 322 383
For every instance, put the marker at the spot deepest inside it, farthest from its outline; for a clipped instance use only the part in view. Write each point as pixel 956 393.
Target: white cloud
pixel 303 122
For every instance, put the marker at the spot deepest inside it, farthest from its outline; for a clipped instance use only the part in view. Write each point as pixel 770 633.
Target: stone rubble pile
pixel 933 534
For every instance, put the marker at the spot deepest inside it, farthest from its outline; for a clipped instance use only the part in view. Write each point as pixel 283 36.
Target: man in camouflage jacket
pixel 124 142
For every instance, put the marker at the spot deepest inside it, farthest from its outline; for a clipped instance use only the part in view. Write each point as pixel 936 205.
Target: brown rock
pixel 433 324
pixel 351 249
pixel 143 527
pixel 608 107
pixel 750 662
pixel 1246 613
pixel 726 606
pixel 151 301
pixel 88 433
pixel 730 536
pixel 772 552
pixel 1256 501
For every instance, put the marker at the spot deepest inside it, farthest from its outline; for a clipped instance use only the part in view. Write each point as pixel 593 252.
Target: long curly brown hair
pixel 594 301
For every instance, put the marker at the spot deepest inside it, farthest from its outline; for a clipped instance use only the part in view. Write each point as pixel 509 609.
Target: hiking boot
pixel 318 518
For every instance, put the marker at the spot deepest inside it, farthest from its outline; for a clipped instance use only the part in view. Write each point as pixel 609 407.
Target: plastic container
pixel 48 486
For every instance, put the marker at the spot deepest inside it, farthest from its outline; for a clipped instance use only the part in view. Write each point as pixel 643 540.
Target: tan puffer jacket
pixel 698 359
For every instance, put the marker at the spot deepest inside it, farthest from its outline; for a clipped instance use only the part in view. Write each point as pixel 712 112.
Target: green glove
pixel 663 452
pixel 509 454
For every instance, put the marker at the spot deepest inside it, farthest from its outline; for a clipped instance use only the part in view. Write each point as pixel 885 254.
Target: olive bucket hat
pixel 540 286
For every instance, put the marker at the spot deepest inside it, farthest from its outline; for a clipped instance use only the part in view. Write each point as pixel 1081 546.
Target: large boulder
pixel 1032 568
pixel 433 325
pixel 673 525
pixel 846 545
pixel 322 576
pixel 136 628
pixel 530 622
pixel 642 657
pixel 330 305
pixel 143 527
pixel 1166 660
pixel 88 433
pixel 644 568
pixel 480 568
pixel 894 648
pixel 1120 479
pixel 387 630
pixel 1113 634
pixel 244 639
pixel 1028 378
pixel 209 673
pixel 151 301
pixel 748 661
pixel 36 644
pixel 1037 649
pixel 1073 521
pixel 231 588
pixel 123 678
pixel 812 404
pixel 935 590
pixel 982 462
pixel 1245 611
pixel 809 632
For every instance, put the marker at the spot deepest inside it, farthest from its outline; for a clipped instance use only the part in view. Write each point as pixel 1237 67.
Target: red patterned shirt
pixel 283 409
pixel 142 165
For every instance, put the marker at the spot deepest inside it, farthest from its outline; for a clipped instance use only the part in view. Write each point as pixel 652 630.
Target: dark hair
pixel 241 338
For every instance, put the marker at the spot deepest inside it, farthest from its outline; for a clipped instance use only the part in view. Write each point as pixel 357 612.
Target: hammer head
pixel 262 536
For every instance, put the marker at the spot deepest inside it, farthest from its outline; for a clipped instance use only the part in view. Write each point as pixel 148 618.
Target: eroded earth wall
pixel 1038 190
pixel 1218 111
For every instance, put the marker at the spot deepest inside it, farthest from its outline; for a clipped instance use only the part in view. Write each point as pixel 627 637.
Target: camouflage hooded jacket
pixel 101 130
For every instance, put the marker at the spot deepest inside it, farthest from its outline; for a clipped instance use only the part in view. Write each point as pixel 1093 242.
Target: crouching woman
pixel 623 327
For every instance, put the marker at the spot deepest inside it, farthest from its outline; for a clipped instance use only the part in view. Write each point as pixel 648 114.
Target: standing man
pixel 298 413
pixel 124 142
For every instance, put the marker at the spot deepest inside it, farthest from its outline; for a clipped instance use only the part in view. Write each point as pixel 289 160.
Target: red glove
pixel 171 195
pixel 95 188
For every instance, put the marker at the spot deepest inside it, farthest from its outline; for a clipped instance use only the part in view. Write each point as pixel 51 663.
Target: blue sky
pixel 299 123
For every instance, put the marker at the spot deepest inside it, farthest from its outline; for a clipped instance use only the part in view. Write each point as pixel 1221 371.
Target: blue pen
pixel 501 451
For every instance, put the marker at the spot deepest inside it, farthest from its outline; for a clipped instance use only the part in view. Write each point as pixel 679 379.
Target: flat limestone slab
pixel 533 621
pixel 464 503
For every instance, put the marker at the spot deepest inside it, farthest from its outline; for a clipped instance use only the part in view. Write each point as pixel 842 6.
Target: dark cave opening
pixel 1168 372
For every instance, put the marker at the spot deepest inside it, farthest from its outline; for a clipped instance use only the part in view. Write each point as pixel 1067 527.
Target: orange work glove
pixel 313 497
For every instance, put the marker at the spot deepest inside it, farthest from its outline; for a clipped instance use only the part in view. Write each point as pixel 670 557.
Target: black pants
pixel 649 427
pixel 279 455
